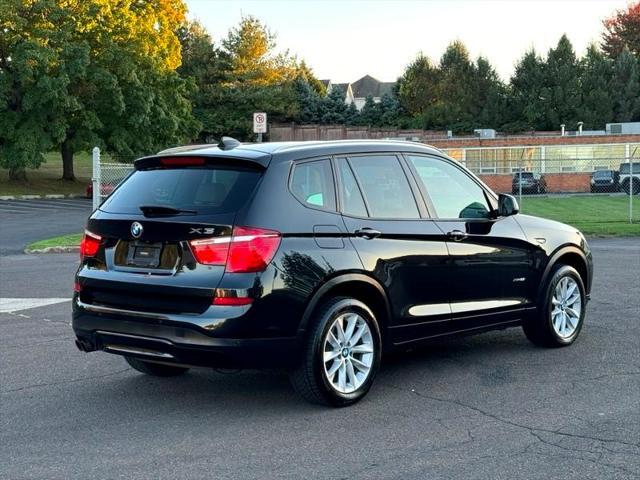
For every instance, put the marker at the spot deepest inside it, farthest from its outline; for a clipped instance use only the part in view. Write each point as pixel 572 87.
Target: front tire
pixel 341 355
pixel 155 369
pixel 561 312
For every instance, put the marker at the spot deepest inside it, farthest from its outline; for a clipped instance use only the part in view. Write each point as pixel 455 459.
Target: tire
pixel 155 369
pixel 313 378
pixel 545 328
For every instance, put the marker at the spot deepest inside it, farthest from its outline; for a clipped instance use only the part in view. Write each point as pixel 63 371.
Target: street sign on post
pixel 259 124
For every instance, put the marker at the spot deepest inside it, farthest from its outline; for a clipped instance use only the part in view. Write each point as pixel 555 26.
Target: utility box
pixel 485 132
pixel 627 128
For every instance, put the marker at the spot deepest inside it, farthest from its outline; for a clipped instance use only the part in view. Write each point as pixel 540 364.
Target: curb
pixel 50 196
pixel 53 250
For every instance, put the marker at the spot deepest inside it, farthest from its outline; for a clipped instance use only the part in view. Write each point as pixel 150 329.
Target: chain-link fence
pixel 579 184
pixel 108 172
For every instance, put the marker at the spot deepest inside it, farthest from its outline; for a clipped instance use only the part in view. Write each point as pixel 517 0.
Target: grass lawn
pixel 71 240
pixel 593 215
pixel 46 179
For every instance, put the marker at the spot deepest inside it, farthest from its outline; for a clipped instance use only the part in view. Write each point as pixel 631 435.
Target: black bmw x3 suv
pixel 316 257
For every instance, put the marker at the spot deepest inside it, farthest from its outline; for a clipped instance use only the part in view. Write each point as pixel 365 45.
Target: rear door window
pixel 312 184
pixel 385 187
pixel 202 190
pixel 350 194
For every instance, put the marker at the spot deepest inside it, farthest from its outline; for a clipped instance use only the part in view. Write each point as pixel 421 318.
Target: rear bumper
pixel 181 343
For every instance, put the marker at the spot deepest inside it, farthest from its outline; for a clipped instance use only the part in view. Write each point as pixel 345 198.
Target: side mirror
pixel 507 205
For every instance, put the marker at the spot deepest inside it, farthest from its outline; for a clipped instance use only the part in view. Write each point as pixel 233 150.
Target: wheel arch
pixel 567 255
pixel 356 285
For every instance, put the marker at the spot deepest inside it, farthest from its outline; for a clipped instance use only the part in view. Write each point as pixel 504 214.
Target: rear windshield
pixel 202 190
pixel 524 175
pixel 602 174
pixel 625 168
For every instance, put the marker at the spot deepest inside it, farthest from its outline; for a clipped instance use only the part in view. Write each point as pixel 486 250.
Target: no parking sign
pixel 259 122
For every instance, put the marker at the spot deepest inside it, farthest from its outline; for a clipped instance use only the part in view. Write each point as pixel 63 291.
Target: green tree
pixel 417 87
pixel 625 88
pixel 333 110
pixel 595 78
pixel 79 73
pixel 371 113
pixel 622 31
pixel 526 91
pixel 561 89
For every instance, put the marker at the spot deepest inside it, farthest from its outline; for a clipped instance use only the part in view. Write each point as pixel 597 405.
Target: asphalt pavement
pixel 491 406
pixel 26 221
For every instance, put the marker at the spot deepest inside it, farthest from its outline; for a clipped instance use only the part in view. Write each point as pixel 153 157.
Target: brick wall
pixel 556 182
pixel 533 141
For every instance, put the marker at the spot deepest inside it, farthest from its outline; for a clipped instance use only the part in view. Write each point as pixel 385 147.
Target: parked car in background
pixel 605 181
pixel 105 189
pixel 630 177
pixel 316 257
pixel 528 182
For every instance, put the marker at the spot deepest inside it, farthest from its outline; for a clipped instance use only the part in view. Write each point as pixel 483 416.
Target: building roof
pixel 368 85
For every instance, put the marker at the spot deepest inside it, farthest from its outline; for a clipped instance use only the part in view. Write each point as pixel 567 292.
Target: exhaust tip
pixel 84 346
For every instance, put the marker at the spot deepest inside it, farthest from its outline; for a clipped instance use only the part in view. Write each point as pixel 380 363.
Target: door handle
pixel 456 235
pixel 367 233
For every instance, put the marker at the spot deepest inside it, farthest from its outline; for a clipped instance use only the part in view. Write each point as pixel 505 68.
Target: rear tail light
pixel 90 244
pixel 246 250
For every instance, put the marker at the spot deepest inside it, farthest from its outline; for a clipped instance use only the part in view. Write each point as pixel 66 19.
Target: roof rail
pixel 228 143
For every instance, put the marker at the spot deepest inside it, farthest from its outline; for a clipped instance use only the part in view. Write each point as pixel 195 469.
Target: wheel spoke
pixel 555 312
pixel 351 374
pixel 571 289
pixel 351 325
pixel 333 340
pixel 330 355
pixel 573 299
pixel 572 313
pixel 360 365
pixel 363 348
pixel 334 368
pixel 340 330
pixel 342 377
pixel 555 301
pixel 356 336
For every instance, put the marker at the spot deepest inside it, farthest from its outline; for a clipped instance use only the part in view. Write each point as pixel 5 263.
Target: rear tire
pixel 561 312
pixel 341 355
pixel 155 369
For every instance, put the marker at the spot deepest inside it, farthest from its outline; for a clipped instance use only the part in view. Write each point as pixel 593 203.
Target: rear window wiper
pixel 150 210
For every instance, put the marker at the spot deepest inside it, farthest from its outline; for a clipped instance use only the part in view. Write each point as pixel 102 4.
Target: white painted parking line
pixel 17 304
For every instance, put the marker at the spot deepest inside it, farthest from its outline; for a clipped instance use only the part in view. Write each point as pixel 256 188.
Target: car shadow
pixel 205 391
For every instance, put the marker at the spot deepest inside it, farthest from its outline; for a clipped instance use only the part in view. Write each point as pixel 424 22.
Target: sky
pixel 343 40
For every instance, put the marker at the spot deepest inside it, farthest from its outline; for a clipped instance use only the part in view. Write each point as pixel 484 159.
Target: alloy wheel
pixel 348 352
pixel 566 307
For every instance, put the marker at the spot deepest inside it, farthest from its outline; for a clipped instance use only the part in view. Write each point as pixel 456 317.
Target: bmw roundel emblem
pixel 136 230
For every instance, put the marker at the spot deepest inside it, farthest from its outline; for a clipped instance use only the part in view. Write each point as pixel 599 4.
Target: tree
pixel 595 78
pixel 526 90
pixel 251 48
pixel 625 88
pixel 455 90
pixel 488 96
pixel 79 73
pixel 333 110
pixel 622 30
pixel 561 90
pixel 417 87
pixel 244 74
pixel 371 113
